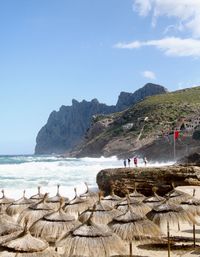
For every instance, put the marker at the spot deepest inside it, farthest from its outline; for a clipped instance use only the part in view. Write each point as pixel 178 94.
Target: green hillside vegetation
pixel 162 111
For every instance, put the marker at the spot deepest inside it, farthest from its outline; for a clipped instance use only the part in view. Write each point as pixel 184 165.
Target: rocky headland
pixel 147 129
pixel 67 127
pixel 185 173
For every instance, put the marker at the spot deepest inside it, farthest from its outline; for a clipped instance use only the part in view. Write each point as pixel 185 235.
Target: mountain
pixel 146 128
pixel 66 128
pixel 125 99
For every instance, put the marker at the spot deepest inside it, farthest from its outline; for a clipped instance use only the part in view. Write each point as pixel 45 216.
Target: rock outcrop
pixel 125 99
pixel 66 128
pixel 192 159
pixel 146 178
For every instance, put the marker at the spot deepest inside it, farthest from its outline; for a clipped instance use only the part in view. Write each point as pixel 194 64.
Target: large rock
pixel 146 178
pixel 66 128
pixel 192 159
pixel 125 99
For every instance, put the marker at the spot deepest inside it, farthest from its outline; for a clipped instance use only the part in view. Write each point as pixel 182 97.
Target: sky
pixel 53 51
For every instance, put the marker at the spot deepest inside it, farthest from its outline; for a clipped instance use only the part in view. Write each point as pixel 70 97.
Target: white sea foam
pixel 27 172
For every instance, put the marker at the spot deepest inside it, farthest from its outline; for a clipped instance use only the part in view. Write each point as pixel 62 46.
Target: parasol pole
pixel 194 236
pixel 168 241
pixel 131 249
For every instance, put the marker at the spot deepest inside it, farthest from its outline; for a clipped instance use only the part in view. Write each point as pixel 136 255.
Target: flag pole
pixel 174 146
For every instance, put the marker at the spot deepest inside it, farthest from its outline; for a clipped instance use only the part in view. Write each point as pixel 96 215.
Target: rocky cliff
pixel 66 128
pixel 125 99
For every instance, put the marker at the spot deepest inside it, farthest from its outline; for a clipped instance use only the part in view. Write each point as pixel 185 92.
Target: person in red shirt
pixel 135 160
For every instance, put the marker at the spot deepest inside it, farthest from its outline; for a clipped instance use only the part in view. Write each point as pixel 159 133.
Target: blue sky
pixel 52 51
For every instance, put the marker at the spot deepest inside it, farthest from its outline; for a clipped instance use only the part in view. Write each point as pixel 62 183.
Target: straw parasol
pixel 171 214
pixel 52 225
pixel 92 197
pixel 25 245
pixel 131 226
pixel 54 201
pixel 8 228
pixel 176 196
pixel 90 239
pixel 112 199
pixel 102 214
pixel 154 200
pixel 138 206
pixel 136 195
pixel 4 217
pixel 38 196
pixel 34 212
pixel 5 201
pixel 18 206
pixel 76 205
pixel 192 205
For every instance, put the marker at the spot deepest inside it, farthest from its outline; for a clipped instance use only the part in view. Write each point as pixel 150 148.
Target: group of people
pixel 135 161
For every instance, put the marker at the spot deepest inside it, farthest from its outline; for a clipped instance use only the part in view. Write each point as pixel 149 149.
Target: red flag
pixel 176 134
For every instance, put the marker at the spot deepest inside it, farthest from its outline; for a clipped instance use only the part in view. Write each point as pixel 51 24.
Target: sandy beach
pixel 181 236
pixel 182 249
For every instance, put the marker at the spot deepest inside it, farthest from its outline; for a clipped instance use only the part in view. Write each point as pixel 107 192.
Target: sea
pixel 27 172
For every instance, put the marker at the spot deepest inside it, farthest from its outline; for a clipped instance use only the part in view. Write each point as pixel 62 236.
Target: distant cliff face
pixel 125 100
pixel 66 128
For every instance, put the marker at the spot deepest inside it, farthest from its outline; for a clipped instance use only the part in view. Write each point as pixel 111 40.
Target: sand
pixel 181 249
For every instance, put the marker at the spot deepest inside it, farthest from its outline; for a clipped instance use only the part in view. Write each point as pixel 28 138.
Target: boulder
pixel 148 177
pixel 192 159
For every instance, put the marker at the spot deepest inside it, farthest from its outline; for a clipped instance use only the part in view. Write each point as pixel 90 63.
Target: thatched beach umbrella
pixel 18 206
pixel 52 225
pixel 92 197
pixel 112 199
pixel 192 205
pixel 89 240
pixel 138 206
pixel 76 205
pixel 39 196
pixel 154 200
pixel 25 245
pixel 135 195
pixel 131 226
pixel 171 214
pixel 4 217
pixel 54 201
pixel 8 228
pixel 34 212
pixel 102 214
pixel 176 196
pixel 5 201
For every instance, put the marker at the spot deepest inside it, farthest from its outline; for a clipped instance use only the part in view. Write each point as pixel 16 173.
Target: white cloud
pixel 149 74
pixel 171 46
pixel 132 45
pixel 187 12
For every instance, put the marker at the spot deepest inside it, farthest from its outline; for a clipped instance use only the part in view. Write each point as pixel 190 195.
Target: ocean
pixel 27 172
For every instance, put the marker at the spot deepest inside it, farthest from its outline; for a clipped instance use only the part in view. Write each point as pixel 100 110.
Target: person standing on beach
pixel 135 160
pixel 125 163
pixel 129 162
pixel 145 161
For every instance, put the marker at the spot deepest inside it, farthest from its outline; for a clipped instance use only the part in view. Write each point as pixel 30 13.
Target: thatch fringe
pixel 34 212
pixel 170 213
pixel 89 239
pixel 52 225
